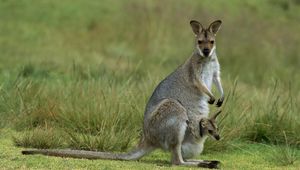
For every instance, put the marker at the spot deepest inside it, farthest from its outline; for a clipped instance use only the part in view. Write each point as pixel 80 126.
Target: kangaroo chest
pixel 206 74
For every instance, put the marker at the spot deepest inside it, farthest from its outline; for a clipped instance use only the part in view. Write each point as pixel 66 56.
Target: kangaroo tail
pixel 132 155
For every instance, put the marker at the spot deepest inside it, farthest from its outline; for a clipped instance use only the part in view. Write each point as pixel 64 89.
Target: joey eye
pixel 210 131
pixel 200 42
pixel 212 42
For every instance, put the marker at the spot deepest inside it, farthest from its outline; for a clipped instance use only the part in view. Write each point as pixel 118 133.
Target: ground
pixel 241 156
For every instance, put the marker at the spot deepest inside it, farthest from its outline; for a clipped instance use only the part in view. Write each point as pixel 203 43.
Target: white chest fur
pixel 207 72
pixel 206 75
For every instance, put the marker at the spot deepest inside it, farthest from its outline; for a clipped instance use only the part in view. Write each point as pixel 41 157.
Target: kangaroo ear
pixel 196 26
pixel 202 126
pixel 215 26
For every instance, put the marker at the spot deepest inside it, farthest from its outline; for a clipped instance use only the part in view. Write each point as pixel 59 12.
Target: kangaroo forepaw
pixel 219 102
pixel 211 100
pixel 210 164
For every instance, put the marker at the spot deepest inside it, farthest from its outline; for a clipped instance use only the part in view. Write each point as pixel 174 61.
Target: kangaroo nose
pixel 217 137
pixel 206 51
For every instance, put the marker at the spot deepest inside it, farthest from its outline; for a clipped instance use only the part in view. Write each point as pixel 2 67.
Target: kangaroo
pixel 167 129
pixel 190 83
pixel 177 103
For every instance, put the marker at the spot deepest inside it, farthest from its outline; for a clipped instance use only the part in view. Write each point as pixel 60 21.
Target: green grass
pixel 239 156
pixel 77 74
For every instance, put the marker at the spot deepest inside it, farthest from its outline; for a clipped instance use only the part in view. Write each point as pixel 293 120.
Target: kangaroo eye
pixel 212 42
pixel 210 131
pixel 200 42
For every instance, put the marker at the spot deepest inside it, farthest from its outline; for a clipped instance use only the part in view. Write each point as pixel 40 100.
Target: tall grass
pixel 100 114
pixel 87 69
pixel 285 154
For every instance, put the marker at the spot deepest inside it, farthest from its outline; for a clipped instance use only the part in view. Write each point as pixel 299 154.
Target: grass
pixel 76 74
pixel 239 156
pixel 285 154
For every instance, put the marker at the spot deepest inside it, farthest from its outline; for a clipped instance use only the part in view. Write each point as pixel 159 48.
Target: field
pixel 78 74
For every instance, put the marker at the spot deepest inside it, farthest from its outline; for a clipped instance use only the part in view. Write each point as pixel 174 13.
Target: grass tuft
pixel 283 155
pixel 41 138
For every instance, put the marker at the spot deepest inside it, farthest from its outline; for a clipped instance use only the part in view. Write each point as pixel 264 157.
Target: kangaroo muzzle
pixel 217 137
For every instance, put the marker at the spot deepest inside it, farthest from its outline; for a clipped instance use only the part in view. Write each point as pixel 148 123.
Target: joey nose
pixel 206 51
pixel 217 137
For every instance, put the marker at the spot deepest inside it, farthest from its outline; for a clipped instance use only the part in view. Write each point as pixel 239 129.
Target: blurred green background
pixel 78 73
pixel 155 34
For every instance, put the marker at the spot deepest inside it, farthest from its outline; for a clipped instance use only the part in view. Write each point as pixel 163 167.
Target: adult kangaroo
pixel 176 116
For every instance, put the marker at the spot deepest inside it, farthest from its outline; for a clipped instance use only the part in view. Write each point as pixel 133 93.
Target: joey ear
pixel 196 26
pixel 215 26
pixel 187 122
pixel 202 126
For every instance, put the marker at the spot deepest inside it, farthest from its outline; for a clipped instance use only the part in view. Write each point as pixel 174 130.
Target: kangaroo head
pixel 205 37
pixel 209 127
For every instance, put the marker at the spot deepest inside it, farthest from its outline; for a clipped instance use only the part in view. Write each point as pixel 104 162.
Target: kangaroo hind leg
pixel 177 157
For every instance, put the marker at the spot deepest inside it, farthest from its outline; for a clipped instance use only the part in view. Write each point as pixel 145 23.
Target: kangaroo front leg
pixel 217 82
pixel 202 87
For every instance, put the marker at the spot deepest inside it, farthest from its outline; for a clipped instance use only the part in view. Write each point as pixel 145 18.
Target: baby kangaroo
pixel 176 115
pixel 166 130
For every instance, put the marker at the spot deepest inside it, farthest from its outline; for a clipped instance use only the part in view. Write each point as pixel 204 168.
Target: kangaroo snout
pixel 206 51
pixel 217 137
